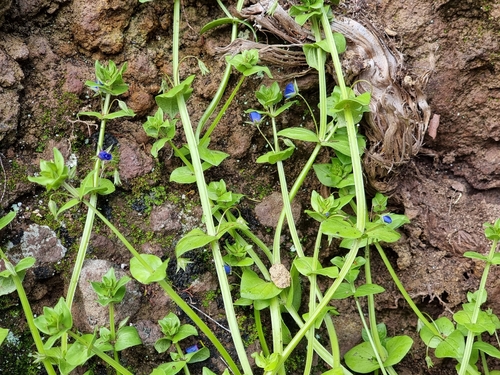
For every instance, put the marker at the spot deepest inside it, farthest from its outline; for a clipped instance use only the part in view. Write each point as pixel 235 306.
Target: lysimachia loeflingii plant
pixel 266 284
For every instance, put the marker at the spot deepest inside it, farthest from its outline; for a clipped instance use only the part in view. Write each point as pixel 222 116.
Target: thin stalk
pixel 112 329
pixel 349 260
pixel 371 308
pixel 312 303
pixel 357 169
pixel 225 78
pixel 116 365
pixel 370 336
pixel 403 291
pixel 477 308
pixel 260 332
pixel 173 295
pixel 209 223
pixel 322 82
pixel 179 351
pixel 222 111
pixel 30 319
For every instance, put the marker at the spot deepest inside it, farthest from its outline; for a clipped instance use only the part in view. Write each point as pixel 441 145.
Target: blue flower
pixel 227 269
pixel 387 219
pixel 290 91
pixel 255 117
pixel 192 349
pixel 104 155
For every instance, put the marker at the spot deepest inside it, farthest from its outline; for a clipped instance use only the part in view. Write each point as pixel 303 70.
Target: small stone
pixel 280 276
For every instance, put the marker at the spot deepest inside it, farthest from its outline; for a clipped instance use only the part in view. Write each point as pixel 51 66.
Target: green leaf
pixel 301 134
pixel 315 56
pixel 486 348
pixel 367 290
pixel 162 345
pixel 443 325
pixel 272 157
pixel 339 228
pixel 170 368
pixel 199 355
pixel 168 101
pixel 3 334
pixel 254 288
pixel 105 186
pixel 24 264
pixel 184 331
pixel 397 347
pixel 213 157
pixel 343 291
pixel 452 347
pixel 361 358
pixel 4 221
pixel 475 255
pixel 331 272
pixel 146 275
pixel 183 175
pixel 483 323
pixel 194 239
pixel 158 145
pixel 307 265
pixel 127 337
pixel 381 232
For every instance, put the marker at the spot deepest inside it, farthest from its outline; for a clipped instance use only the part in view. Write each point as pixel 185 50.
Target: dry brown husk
pixel 399 115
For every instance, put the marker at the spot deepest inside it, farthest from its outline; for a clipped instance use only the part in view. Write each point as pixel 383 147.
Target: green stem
pixel 225 78
pixel 222 112
pixel 403 291
pixel 477 308
pixel 30 319
pixel 173 295
pixel 351 128
pixel 116 365
pixel 179 351
pixel 370 337
pixel 112 329
pixel 260 332
pixel 371 309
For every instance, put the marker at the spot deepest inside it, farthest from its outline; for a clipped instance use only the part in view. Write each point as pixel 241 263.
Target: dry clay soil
pixel 48 49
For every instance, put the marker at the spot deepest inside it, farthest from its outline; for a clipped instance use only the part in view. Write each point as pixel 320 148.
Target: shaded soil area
pixel 448 190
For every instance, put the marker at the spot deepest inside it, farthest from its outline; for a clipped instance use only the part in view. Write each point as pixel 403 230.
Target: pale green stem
pixel 351 129
pixel 349 260
pixel 477 308
pixel 225 78
pixel 30 319
pixel 116 365
pixel 405 294
pixel 172 294
pixel 371 308
pixel 205 203
pixel 112 329
pixel 312 304
pixel 260 332
pixel 179 351
pixel 89 223
pixel 222 112
pixel 370 337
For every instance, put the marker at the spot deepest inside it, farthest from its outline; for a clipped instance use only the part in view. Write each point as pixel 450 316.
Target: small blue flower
pixel 104 155
pixel 290 91
pixel 387 219
pixel 227 269
pixel 192 349
pixel 255 117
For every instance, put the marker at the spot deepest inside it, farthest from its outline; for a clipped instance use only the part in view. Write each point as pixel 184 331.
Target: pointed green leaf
pixel 397 347
pixel 254 288
pixel 4 221
pixel 194 239
pixel 367 290
pixel 301 134
pixel 339 228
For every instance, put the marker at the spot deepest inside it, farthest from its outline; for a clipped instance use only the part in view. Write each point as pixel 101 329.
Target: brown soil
pixel 448 190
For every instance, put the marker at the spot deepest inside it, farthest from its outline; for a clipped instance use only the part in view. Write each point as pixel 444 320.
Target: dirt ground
pixel 448 190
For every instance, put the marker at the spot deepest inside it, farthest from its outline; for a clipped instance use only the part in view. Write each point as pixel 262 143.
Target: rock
pixel 99 24
pixel 165 219
pixel 10 86
pixel 268 211
pixel 41 242
pixel 87 313
pixel 149 332
pixel 134 161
